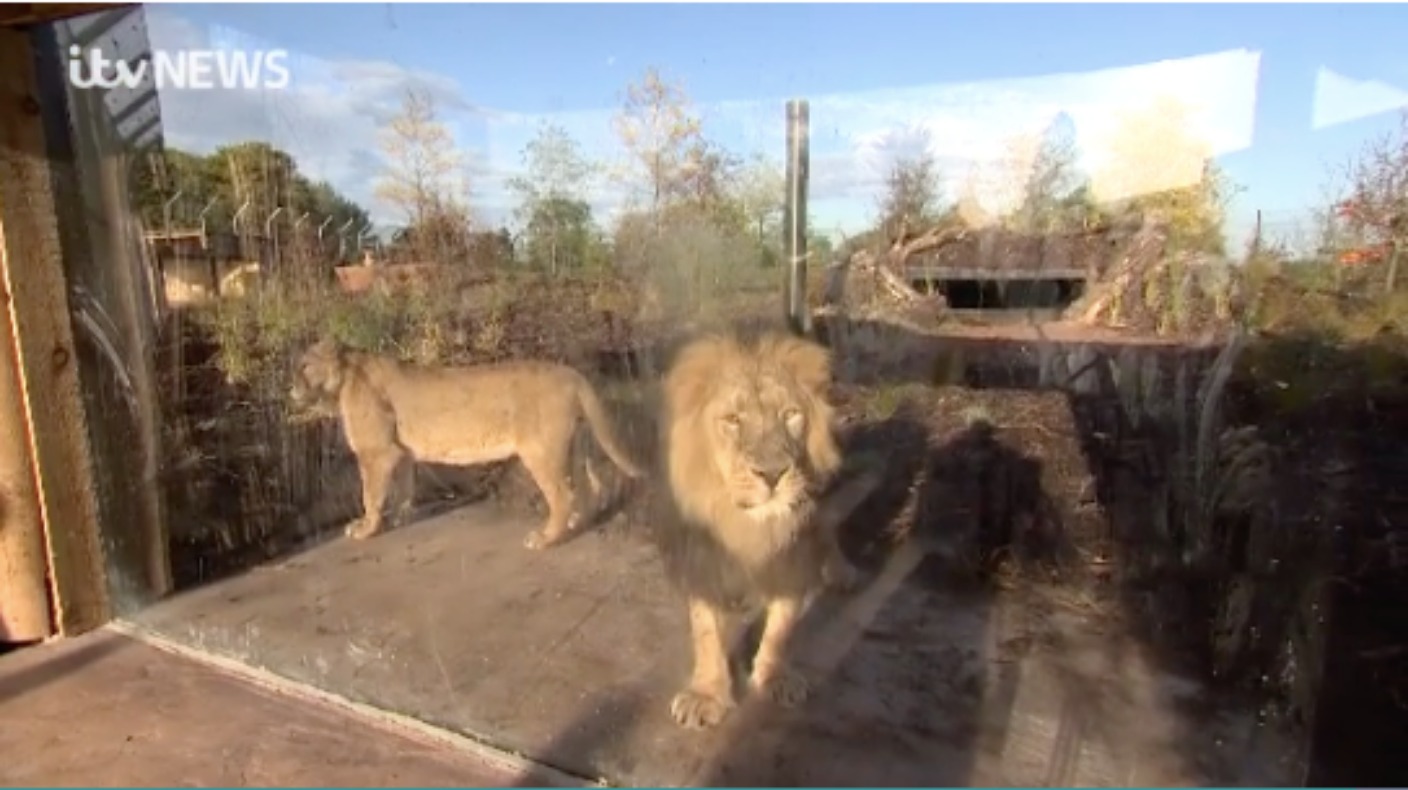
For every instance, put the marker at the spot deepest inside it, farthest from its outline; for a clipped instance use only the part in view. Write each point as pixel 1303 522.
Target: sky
pixel 1279 94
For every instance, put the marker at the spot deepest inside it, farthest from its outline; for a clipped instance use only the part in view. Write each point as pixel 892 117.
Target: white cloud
pixel 328 120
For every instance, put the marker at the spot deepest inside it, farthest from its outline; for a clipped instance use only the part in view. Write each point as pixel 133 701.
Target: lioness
pixel 393 412
pixel 750 451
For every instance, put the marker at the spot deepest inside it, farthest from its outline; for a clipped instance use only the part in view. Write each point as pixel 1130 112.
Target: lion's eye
pixel 794 422
pixel 730 422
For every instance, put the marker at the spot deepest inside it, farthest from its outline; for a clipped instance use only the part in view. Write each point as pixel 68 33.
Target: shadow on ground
pixel 900 680
pixel 1221 550
pixel 976 654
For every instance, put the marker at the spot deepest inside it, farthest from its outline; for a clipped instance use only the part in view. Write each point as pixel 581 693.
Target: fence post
pixel 1395 248
pixel 794 219
pixel 271 242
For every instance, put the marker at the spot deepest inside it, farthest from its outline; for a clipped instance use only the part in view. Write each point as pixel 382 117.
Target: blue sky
pixel 1281 92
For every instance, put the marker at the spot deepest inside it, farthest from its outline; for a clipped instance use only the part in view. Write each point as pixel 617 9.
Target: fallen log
pixel 1145 249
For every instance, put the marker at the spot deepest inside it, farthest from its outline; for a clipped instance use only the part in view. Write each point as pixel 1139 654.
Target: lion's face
pixel 749 427
pixel 759 432
pixel 317 377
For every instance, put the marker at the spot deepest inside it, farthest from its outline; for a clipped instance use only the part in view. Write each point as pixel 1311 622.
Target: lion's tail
pixel 603 430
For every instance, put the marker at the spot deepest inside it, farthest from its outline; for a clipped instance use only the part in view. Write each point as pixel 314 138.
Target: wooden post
pixel 51 419
pixel 794 223
pixel 1256 236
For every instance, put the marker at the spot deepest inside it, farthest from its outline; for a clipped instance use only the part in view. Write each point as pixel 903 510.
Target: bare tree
pixel 1048 181
pixel 912 192
pixel 424 163
pixel 425 180
pixel 1374 207
pixel 709 180
pixel 660 132
pixel 911 196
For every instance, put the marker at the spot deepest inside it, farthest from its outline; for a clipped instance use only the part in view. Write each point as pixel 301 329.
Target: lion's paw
pixel 538 540
pixel 841 576
pixel 786 686
pixel 697 710
pixel 361 529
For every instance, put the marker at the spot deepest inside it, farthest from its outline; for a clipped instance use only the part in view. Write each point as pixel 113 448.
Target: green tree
pixel 258 176
pixel 559 232
pixel 213 188
pixel 560 235
pixel 761 191
pixel 172 173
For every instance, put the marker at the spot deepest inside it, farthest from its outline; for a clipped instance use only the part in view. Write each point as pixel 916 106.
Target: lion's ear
pixel 327 345
pixel 697 367
pixel 807 362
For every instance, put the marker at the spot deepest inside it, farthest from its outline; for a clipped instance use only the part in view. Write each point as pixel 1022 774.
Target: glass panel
pixel 1116 355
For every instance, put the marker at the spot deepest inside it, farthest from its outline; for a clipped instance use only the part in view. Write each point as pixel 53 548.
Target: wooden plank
pixel 24 562
pixel 22 14
pixel 33 275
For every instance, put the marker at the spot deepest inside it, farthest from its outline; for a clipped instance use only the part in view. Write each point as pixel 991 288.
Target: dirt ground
pixel 986 648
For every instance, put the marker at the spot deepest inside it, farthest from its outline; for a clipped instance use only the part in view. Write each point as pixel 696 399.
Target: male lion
pixel 750 453
pixel 393 412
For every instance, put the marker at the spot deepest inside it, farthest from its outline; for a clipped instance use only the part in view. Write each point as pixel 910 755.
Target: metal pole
pixel 238 228
pixel 235 221
pixel 342 240
pixel 166 213
pixel 271 239
pixel 201 217
pixel 794 218
pixel 269 223
pixel 362 237
pixel 299 246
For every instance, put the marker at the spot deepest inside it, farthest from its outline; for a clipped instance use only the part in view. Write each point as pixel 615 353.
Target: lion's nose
pixel 770 475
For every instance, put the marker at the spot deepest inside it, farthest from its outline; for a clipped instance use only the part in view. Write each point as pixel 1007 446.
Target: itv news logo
pixel 187 69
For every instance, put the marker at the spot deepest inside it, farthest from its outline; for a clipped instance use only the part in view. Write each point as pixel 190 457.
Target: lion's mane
pixel 711 546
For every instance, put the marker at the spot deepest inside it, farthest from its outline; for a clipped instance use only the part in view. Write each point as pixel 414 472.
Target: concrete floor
pixel 106 710
pixel 569 657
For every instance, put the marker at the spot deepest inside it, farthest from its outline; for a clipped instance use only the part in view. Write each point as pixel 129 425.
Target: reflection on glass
pixel 1120 336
